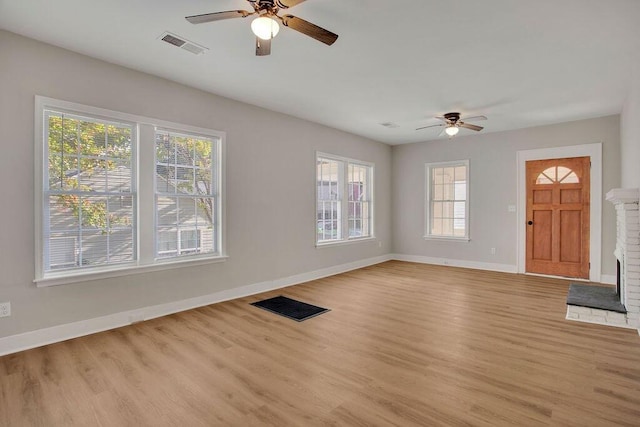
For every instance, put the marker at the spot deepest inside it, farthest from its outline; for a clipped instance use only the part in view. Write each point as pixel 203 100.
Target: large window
pixel 344 199
pixel 447 205
pixel 185 194
pixel 121 192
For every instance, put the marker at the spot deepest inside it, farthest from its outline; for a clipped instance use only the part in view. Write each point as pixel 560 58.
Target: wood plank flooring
pixel 405 344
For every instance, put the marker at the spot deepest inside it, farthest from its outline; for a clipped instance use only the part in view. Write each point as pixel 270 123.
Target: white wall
pixel 493 186
pixel 270 185
pixel 630 131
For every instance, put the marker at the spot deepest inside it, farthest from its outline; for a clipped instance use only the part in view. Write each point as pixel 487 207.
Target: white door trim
pixel 595 227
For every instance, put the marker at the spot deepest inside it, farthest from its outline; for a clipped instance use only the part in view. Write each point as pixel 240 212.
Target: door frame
pixel 594 151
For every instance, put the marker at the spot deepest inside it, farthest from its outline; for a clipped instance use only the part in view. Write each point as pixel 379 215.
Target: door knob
pixel 530 222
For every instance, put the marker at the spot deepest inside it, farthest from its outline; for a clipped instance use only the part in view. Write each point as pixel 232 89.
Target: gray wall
pixel 493 186
pixel 630 131
pixel 270 228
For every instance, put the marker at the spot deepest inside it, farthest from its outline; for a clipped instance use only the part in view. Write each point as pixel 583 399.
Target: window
pixel 557 174
pixel 447 200
pixel 338 219
pixel 120 192
pixel 88 171
pixel 185 194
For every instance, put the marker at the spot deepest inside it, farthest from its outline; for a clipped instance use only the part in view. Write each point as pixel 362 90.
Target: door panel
pixel 570 236
pixel 558 203
pixel 570 196
pixel 542 196
pixel 541 238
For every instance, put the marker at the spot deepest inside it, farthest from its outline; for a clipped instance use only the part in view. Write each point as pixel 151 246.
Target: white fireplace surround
pixel 627 252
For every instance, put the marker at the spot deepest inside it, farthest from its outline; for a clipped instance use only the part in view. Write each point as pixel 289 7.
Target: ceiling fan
pixel 453 122
pixel 265 25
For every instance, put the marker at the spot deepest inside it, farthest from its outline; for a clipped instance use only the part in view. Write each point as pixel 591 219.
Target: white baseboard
pixel 505 268
pixel 608 279
pixel 40 337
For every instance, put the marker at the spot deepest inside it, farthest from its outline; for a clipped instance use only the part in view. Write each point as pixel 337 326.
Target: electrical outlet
pixel 379 244
pixel 5 309
pixel 493 251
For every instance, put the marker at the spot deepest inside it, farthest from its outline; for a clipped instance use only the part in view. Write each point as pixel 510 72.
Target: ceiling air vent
pixel 180 42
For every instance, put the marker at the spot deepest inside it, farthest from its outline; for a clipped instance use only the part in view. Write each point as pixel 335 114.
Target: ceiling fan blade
pixel 263 47
pixel 475 118
pixel 309 29
pixel 470 126
pixel 285 4
pixel 218 16
pixel 430 126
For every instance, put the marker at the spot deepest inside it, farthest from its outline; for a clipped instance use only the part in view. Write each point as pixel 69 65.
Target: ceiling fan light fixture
pixel 265 27
pixel 451 130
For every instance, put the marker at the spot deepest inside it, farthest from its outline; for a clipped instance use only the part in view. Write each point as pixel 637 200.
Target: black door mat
pixel 601 297
pixel 290 308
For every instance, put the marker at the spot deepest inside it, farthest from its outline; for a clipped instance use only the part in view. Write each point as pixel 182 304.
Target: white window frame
pixel 428 205
pixel 344 209
pixel 144 211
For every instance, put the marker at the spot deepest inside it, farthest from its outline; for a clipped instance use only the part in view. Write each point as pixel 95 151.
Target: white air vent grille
pixel 182 43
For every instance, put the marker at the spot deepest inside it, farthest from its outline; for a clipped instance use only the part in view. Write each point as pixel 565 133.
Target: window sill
pixel 64 278
pixel 345 242
pixel 448 238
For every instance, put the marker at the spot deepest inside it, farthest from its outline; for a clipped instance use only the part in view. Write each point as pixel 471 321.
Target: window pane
pixel 63 250
pixel 447 226
pixel 437 176
pixel 436 226
pixel 437 209
pixel 166 210
pixel 438 192
pixel 448 175
pixel 118 142
pixel 448 191
pixel 447 209
pixel 571 178
pixel 460 190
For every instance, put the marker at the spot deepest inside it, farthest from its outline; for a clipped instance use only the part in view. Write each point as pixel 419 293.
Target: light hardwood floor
pixel 405 344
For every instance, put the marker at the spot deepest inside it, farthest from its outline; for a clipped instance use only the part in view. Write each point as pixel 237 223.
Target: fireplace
pixel 622 308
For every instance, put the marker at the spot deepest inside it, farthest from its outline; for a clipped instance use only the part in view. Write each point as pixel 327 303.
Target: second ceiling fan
pixel 453 122
pixel 265 25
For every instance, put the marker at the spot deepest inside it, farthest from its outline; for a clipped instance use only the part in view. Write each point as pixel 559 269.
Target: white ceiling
pixel 521 63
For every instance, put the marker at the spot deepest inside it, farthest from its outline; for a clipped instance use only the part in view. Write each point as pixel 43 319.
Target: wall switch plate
pixel 493 251
pixel 5 309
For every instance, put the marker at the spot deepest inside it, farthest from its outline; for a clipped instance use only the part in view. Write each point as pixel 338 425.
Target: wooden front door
pixel 558 199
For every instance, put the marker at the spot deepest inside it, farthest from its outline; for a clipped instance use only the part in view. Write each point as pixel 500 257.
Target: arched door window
pixel 558 174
